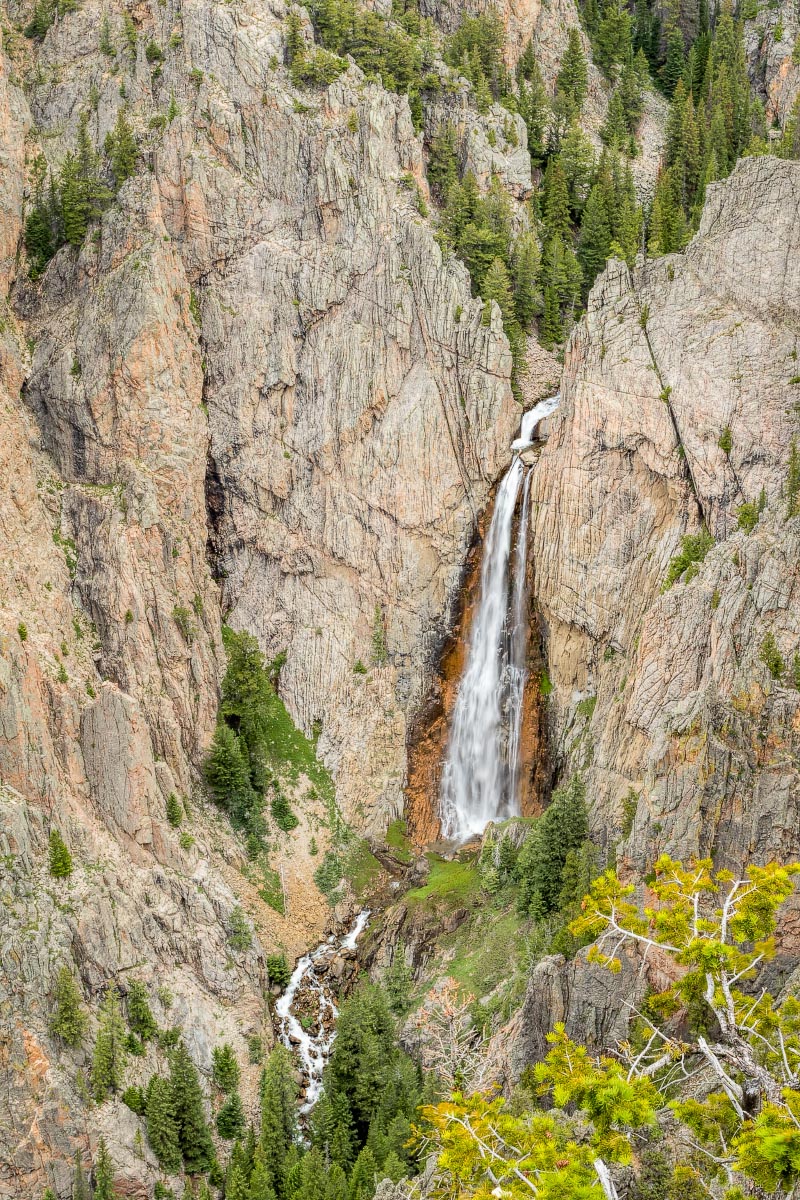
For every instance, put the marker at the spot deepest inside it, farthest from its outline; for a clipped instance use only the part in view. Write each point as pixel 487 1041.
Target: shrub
pixel 22 630
pixel 278 970
pixel 379 652
pixel 183 620
pixel 282 813
pixel 255 1049
pixel 133 1097
pixel 240 935
pixel 328 874
pixel 359 668
pixel 60 859
pixel 747 517
pixel 153 53
pixel 630 803
pixel 685 564
pixel 725 442
pixel 770 655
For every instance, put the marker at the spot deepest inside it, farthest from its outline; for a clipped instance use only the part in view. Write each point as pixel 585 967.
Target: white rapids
pixel 314 1048
pixel 480 779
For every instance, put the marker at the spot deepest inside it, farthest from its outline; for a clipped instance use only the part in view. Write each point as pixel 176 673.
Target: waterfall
pixel 481 772
pixel 518 653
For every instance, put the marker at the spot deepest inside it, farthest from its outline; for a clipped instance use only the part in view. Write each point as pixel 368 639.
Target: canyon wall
pixel 663 696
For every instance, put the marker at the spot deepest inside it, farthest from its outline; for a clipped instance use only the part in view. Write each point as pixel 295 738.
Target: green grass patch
pixel 450 883
pixel 398 841
pixel 361 867
pixel 485 950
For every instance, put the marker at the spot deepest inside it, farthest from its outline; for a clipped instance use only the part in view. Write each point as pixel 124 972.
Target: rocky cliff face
pixel 664 696
pixel 258 366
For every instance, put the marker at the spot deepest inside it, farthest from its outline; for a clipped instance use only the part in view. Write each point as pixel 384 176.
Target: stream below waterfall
pixel 307 1010
pixel 480 778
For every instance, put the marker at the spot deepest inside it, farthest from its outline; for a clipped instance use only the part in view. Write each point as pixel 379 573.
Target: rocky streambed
pixel 307 1009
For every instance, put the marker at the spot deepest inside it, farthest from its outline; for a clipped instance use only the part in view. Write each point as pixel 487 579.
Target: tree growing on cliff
pixel 194 1137
pixel 103 1173
pixel 162 1129
pixel 230 1118
pixel 278 1114
pixel 59 857
pixel 140 1015
pixel 540 866
pixel 224 1068
pixel 68 1019
pixel 110 1055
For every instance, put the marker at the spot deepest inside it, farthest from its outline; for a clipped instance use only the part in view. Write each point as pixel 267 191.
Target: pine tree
pixel 122 150
pixel 551 331
pixel 174 810
pixel 337 1184
pixel 674 63
pixel 556 200
pixel 313 1185
pixel 615 127
pixel 526 264
pixel 74 217
pixel 94 193
pixel 561 828
pixel 162 1130
pixel 110 1055
pixel 393 1168
pixel 278 1119
pixel 236 1183
pixel 80 1184
pixel 227 773
pixel 193 1134
pixel 631 93
pixel 442 161
pixel 103 1173
pixel 364 1176
pixel 224 1068
pixel 140 1016
pixel 260 1182
pixel 534 108
pixel 230 1118
pixel 68 1019
pixel 595 239
pixel 60 859
pixel 612 42
pixel 573 75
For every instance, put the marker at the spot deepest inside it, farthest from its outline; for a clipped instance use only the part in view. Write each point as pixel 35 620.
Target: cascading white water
pixel 518 652
pixel 314 1048
pixel 481 771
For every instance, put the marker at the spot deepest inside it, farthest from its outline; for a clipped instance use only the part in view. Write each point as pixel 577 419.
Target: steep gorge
pixel 261 372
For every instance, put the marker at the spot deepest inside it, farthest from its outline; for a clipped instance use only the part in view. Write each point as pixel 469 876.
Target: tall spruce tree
pixel 161 1125
pixel 103 1173
pixel 140 1015
pixel 573 75
pixel 594 244
pixel 278 1114
pixel 68 1019
pixel 110 1053
pixel 193 1134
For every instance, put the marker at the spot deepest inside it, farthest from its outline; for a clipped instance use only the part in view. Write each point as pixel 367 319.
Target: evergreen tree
pixel 595 239
pixel 674 63
pixel 174 810
pixel 162 1130
pixel 261 1181
pixel 74 217
pixel 227 773
pixel 573 75
pixel 337 1184
pixel 497 287
pixel 534 108
pixel 68 1019
pixel 442 161
pixel 556 201
pixel 615 132
pixel 278 1119
pixel 122 150
pixel 612 42
pixel 236 1183
pixel 230 1118
pixel 526 265
pixel 576 160
pixel 364 1176
pixel 103 1173
pixel 110 1055
pixel 551 331
pixel 80 1184
pixel 631 94
pixel 224 1068
pixel 193 1134
pixel 140 1016
pixel 562 827
pixel 93 192
pixel 60 859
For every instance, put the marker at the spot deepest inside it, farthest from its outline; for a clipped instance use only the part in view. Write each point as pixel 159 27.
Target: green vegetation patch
pixel 398 841
pixel 450 883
